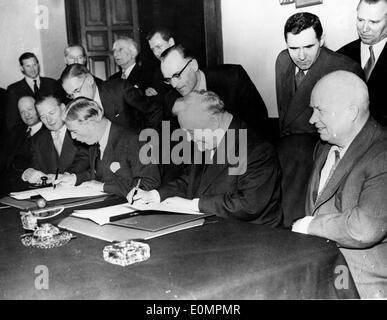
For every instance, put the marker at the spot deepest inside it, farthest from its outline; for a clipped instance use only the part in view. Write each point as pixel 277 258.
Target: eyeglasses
pixel 76 91
pixel 176 75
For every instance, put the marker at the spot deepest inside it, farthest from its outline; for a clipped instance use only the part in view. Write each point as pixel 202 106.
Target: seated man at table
pixel 346 198
pixel 237 175
pixel 115 166
pixel 52 147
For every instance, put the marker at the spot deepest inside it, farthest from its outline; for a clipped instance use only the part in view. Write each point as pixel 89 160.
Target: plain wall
pixel 253 35
pixel 22 29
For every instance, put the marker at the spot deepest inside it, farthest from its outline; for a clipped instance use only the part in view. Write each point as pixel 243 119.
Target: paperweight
pixel 126 252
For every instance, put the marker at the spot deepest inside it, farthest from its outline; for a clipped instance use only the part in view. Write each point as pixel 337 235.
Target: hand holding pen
pixel 135 190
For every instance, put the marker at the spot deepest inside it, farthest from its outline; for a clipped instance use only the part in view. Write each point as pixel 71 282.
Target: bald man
pixel 346 199
pixel 125 52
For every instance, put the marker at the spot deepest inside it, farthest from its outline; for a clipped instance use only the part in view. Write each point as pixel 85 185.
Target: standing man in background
pixel 298 68
pixel 32 85
pixel 370 51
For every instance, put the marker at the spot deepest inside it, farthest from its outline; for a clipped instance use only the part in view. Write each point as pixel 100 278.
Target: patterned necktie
pixel 28 132
pixel 300 75
pixel 57 142
pixel 332 165
pixel 123 75
pixel 370 64
pixel 36 88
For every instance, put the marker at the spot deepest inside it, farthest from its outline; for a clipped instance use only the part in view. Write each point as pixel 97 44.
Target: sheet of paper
pixel 162 206
pixel 103 215
pixel 50 193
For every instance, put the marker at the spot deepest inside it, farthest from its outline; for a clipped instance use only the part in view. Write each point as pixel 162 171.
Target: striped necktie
pixel 300 75
pixel 370 64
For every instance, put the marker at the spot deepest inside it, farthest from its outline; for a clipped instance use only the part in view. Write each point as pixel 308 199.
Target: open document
pixel 125 210
pixel 50 193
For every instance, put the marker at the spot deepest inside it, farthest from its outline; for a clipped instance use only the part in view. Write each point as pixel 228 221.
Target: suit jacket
pixel 127 106
pixel 239 94
pixel 19 89
pixel 376 82
pixel 253 195
pixel 140 76
pixel 120 167
pixel 352 208
pixel 293 106
pixel 74 156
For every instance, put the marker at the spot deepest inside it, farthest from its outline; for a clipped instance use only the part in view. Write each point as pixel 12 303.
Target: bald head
pixel 26 106
pixel 340 106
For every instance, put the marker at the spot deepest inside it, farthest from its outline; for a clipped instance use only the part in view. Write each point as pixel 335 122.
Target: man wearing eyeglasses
pixel 231 82
pixel 122 102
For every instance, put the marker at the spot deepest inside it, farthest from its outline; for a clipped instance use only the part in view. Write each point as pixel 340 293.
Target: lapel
pixel 212 171
pixel 355 151
pixel 68 152
pixel 134 75
pixel 26 87
pixel 287 89
pixel 298 103
pixel 48 151
pixel 380 66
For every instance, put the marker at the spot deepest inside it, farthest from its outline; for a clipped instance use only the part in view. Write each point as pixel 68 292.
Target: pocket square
pixel 115 166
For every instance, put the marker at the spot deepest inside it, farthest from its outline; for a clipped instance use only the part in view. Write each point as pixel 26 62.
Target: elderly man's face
pixel 180 72
pixel 158 45
pixel 372 22
pixel 50 113
pixel 30 68
pixel 123 53
pixel 330 115
pixel 74 55
pixel 27 111
pixel 304 48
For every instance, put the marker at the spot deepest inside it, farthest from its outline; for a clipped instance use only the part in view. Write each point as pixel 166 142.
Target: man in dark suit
pixel 32 85
pixel 346 198
pixel 115 166
pixel 18 144
pixel 125 52
pixel 370 51
pixel 246 188
pixel 121 101
pixel 53 149
pixel 298 68
pixel 159 39
pixel 231 82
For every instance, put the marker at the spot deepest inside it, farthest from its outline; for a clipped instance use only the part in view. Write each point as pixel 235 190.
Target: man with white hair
pixel 346 199
pixel 125 52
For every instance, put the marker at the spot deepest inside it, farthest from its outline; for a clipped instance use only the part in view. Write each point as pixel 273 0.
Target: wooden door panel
pixel 97 41
pixel 122 12
pixel 95 12
pixel 100 66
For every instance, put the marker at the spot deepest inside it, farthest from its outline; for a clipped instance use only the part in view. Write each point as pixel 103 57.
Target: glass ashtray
pixel 126 252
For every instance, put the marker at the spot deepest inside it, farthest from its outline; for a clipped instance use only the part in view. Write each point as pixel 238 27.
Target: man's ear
pixel 322 40
pixel 21 69
pixel 171 42
pixel 353 112
pixel 194 65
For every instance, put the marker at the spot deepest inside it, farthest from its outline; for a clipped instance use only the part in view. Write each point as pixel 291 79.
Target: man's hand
pixel 93 184
pixel 182 203
pixel 149 92
pixel 302 225
pixel 32 176
pixel 65 180
pixel 139 196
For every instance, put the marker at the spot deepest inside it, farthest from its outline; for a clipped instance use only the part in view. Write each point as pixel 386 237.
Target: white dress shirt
pixel 365 51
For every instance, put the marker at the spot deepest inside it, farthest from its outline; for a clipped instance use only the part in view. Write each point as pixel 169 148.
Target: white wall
pixel 253 35
pixel 22 29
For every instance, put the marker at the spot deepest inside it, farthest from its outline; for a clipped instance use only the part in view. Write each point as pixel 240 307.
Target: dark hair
pixel 165 33
pixel 73 70
pixel 27 55
pixel 82 109
pixel 185 53
pixel 75 45
pixel 301 21
pixel 41 99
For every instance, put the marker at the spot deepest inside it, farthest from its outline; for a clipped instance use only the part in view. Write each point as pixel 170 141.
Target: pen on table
pixel 56 177
pixel 136 189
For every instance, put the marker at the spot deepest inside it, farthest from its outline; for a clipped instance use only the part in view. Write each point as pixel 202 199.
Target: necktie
pixel 300 75
pixel 97 159
pixel 28 132
pixel 370 64
pixel 57 142
pixel 123 75
pixel 36 88
pixel 328 169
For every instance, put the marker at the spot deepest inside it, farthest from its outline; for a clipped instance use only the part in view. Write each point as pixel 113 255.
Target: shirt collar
pixel 128 70
pixel 365 51
pixel 97 97
pixel 31 83
pixel 62 132
pixel 35 128
pixel 104 140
